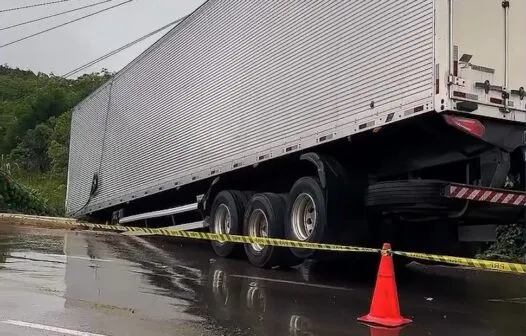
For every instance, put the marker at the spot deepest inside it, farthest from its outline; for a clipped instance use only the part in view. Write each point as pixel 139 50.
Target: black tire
pixel 312 187
pixel 236 202
pixel 273 208
pixel 407 193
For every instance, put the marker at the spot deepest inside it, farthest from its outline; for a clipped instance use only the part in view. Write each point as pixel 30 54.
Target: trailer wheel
pixel 225 218
pixel 265 218
pixel 306 218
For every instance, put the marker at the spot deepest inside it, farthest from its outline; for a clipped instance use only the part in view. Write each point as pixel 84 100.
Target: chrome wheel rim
pixel 256 298
pixel 222 220
pixel 304 216
pixel 257 227
pixel 219 285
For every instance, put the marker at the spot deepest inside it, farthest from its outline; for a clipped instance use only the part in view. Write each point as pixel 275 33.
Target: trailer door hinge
pixel 454 80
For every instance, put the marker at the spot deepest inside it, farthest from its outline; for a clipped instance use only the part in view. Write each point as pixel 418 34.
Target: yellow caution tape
pixel 234 238
pixel 469 262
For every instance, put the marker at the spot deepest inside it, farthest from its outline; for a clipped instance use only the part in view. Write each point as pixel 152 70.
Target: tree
pixel 58 154
pixel 32 152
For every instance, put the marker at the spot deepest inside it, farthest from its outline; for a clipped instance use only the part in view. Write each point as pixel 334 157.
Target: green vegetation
pixel 35 116
pixel 510 245
pixel 15 197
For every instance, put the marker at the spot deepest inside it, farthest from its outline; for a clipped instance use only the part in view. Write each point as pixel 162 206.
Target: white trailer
pixel 383 107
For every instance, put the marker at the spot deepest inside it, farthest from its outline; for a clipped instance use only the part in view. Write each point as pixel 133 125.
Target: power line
pixel 113 52
pixel 31 6
pixel 63 24
pixel 57 14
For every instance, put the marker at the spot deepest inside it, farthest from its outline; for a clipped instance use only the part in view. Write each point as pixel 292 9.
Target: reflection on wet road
pixel 88 283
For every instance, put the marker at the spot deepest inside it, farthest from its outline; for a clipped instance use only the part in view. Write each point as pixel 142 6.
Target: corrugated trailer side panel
pixel 87 131
pixel 237 81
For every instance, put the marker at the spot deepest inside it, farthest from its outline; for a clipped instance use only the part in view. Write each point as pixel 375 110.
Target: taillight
pixel 468 125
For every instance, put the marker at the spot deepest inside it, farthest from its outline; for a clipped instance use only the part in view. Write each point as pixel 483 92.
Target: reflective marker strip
pixel 478 194
pixel 496 197
pixel 50 328
pixel 485 195
pixel 519 200
pixel 474 194
pixel 462 192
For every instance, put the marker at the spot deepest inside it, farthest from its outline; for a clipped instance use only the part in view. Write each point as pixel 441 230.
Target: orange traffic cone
pixel 385 309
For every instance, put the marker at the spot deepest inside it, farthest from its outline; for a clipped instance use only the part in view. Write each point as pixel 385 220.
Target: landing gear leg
pixel 494 167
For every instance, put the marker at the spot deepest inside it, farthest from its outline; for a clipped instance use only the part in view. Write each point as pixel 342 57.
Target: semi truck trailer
pixel 334 121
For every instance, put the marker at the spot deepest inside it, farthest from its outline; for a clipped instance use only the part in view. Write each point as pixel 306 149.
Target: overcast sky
pixel 68 47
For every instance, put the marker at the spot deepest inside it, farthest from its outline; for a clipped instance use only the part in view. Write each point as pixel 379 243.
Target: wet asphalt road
pixel 89 283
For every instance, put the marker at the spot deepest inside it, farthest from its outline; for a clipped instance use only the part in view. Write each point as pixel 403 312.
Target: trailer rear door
pixel 489 55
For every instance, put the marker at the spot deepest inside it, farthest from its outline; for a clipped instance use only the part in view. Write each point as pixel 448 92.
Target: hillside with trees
pixel 35 114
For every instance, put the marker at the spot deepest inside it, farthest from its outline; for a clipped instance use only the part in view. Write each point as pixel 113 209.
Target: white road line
pixel 92 259
pixel 519 300
pixel 65 256
pixel 49 328
pixel 39 257
pixel 290 282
